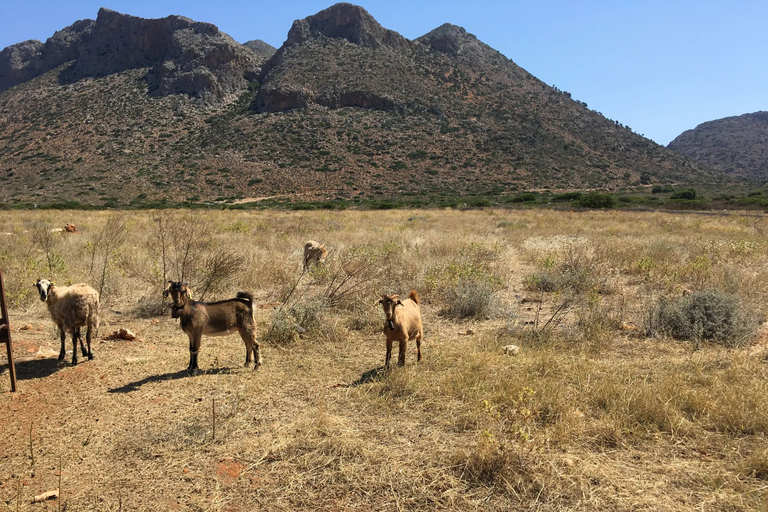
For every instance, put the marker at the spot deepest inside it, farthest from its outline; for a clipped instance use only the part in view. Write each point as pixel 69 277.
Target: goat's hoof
pixel 74 362
pixel 61 356
pixel 193 371
pixel 90 357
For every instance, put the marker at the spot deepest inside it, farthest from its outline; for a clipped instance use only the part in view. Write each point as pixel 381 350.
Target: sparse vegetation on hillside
pixel 377 124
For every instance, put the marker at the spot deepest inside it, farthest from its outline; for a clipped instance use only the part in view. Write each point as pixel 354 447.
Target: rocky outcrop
pixel 454 41
pixel 738 144
pixel 345 21
pixel 183 56
pixel 344 24
pixel 24 61
pixel 262 49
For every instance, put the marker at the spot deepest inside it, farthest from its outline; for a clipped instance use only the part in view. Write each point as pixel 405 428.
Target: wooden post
pixel 5 332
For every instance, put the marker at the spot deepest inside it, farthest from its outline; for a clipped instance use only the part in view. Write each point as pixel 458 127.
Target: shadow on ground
pixel 368 377
pixel 35 368
pixel 134 386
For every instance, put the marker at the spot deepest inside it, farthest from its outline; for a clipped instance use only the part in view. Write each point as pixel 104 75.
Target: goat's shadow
pixel 134 386
pixel 369 377
pixel 35 368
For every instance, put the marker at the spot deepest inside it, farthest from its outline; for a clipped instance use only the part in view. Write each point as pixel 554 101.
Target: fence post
pixel 5 332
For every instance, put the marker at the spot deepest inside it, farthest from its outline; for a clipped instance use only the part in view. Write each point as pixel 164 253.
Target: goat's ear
pixel 399 302
pixel 165 293
pixel 380 301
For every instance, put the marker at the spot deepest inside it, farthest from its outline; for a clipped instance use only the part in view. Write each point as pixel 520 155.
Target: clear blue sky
pixel 659 67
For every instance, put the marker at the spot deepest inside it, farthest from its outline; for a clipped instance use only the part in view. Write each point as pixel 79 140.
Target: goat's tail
pixel 414 296
pixel 245 296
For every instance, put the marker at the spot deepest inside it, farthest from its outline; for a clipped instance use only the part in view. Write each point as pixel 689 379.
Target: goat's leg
pixel 63 350
pixel 194 348
pixel 88 341
pixel 75 337
pixel 389 352
pixel 418 347
pixel 248 350
pixel 256 354
pixel 82 347
pixel 401 353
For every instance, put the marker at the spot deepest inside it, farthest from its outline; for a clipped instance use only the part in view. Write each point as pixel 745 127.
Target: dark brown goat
pixel 214 319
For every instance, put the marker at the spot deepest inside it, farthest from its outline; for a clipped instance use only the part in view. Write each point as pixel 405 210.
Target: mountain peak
pixel 452 40
pixel 344 21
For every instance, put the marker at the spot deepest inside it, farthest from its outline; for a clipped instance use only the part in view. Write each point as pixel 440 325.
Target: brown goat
pixel 314 253
pixel 214 319
pixel 403 323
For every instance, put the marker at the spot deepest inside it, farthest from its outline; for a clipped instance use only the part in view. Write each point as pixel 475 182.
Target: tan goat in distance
pixel 403 323
pixel 314 253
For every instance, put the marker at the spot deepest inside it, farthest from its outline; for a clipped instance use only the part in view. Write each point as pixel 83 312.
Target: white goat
pixel 214 319
pixel 403 324
pixel 314 253
pixel 72 307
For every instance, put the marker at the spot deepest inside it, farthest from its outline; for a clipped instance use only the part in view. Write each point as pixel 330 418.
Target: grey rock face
pixel 24 61
pixel 262 49
pixel 184 56
pixel 345 21
pixel 342 21
pixel 455 41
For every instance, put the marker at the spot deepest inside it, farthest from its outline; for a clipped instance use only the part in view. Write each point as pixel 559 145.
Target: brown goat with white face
pixel 403 323
pixel 214 319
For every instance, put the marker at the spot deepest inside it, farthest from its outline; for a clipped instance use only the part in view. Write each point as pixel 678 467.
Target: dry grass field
pixel 641 382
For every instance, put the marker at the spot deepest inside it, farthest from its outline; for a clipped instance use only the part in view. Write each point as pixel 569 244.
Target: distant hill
pixel 738 145
pixel 127 111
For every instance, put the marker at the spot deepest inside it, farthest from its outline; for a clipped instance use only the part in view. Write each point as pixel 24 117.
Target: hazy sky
pixel 657 66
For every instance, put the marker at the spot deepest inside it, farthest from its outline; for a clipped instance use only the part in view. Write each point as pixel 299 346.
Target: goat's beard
pixel 175 311
pixel 391 324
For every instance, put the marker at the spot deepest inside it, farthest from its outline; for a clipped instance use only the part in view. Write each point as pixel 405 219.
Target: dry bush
pixel 104 247
pixel 578 272
pixel 708 315
pixel 46 240
pixel 301 319
pixel 470 299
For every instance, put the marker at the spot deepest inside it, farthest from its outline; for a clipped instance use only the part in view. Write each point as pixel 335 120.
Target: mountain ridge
pixel 344 109
pixel 738 145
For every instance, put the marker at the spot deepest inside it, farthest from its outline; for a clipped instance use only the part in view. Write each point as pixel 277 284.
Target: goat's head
pixel 389 303
pixel 43 287
pixel 179 293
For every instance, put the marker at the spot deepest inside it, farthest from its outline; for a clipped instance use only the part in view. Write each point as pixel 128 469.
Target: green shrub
pixel 525 197
pixel 596 200
pixel 688 193
pixel 568 196
pixel 470 298
pixel 289 324
pixel 710 315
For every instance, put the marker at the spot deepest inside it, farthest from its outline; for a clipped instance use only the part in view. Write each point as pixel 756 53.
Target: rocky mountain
pixel 183 56
pixel 128 111
pixel 738 145
pixel 264 50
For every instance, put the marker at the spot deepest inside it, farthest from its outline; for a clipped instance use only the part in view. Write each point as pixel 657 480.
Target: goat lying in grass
pixel 72 307
pixel 214 319
pixel 403 324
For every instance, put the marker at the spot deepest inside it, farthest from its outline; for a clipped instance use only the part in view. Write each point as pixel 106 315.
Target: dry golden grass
pixel 590 415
